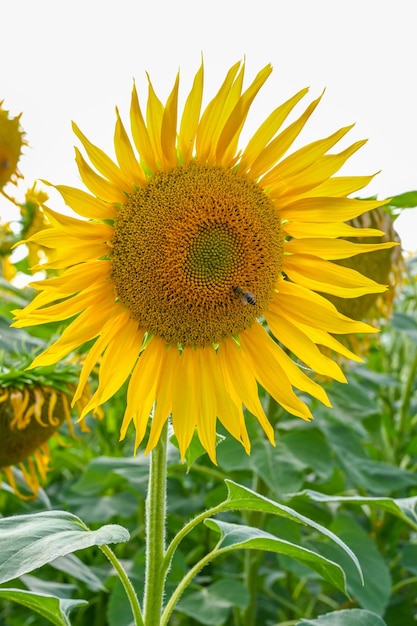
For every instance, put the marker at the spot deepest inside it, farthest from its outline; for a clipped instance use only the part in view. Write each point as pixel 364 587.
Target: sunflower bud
pixel 28 418
pixel 11 142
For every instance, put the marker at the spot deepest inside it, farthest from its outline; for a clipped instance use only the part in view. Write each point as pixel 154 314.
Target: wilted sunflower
pixel 33 406
pixel 198 260
pixel 11 143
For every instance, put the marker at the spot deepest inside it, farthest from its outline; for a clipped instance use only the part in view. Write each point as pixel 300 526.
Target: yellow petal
pixel 208 130
pixel 85 205
pixel 241 383
pixel 301 230
pixel 280 144
pixel 299 304
pixel 190 117
pixel 262 359
pixel 125 155
pixel 301 344
pixel 102 188
pixel 186 398
pixel 328 277
pixel 327 209
pixel 311 177
pixel 267 131
pixel 154 115
pixel 303 158
pixel 103 163
pixel 228 140
pixel 140 134
pixel 206 415
pixel 124 350
pixel 169 128
pixel 334 248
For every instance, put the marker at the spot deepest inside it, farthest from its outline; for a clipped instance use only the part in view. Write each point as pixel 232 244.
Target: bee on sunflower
pixel 198 265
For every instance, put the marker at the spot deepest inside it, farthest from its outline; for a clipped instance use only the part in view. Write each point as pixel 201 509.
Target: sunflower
pixel 33 406
pixel 11 143
pixel 196 269
pixel 384 266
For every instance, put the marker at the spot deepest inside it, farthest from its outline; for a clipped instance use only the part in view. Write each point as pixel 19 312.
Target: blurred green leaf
pixel 372 594
pixel 105 472
pixel 30 541
pixel 404 508
pixel 281 470
pixel 16 340
pixel 212 605
pixel 55 610
pixel 351 617
pixel 70 564
pixel 405 323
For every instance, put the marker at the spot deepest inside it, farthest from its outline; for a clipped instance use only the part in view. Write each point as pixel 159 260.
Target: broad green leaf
pixel 354 399
pixel 309 446
pixel 12 339
pixel 239 537
pixel 405 323
pixel 55 610
pixel 404 508
pixel 360 470
pixel 374 593
pixel 71 565
pixel 212 605
pixel 281 470
pixel 242 498
pixel 107 472
pixel 102 509
pixel 30 541
pixel 347 617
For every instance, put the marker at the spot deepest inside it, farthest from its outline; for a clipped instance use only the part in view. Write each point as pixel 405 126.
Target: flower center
pixel 196 254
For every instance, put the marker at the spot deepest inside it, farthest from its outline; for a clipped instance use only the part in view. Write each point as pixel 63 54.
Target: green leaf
pixel 239 537
pixel 12 339
pixel 406 200
pixel 71 565
pixel 212 605
pixel 406 324
pixel 55 610
pixel 30 541
pixel 108 472
pixel 360 470
pixel 310 447
pixel 351 617
pixel 374 593
pixel 404 508
pixel 242 498
pixel 279 468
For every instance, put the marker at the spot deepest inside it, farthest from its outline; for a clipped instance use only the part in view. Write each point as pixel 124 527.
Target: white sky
pixel 75 59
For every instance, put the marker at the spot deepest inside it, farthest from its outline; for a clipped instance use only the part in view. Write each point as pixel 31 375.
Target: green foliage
pixel 280 537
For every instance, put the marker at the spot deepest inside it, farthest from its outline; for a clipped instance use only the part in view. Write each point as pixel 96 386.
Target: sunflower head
pixel 198 265
pixel 11 143
pixel 33 406
pixel 384 266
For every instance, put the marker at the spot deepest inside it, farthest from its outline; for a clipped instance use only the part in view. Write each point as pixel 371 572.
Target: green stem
pixel 252 560
pixel 128 587
pixel 155 532
pixel 184 531
pixel 186 581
